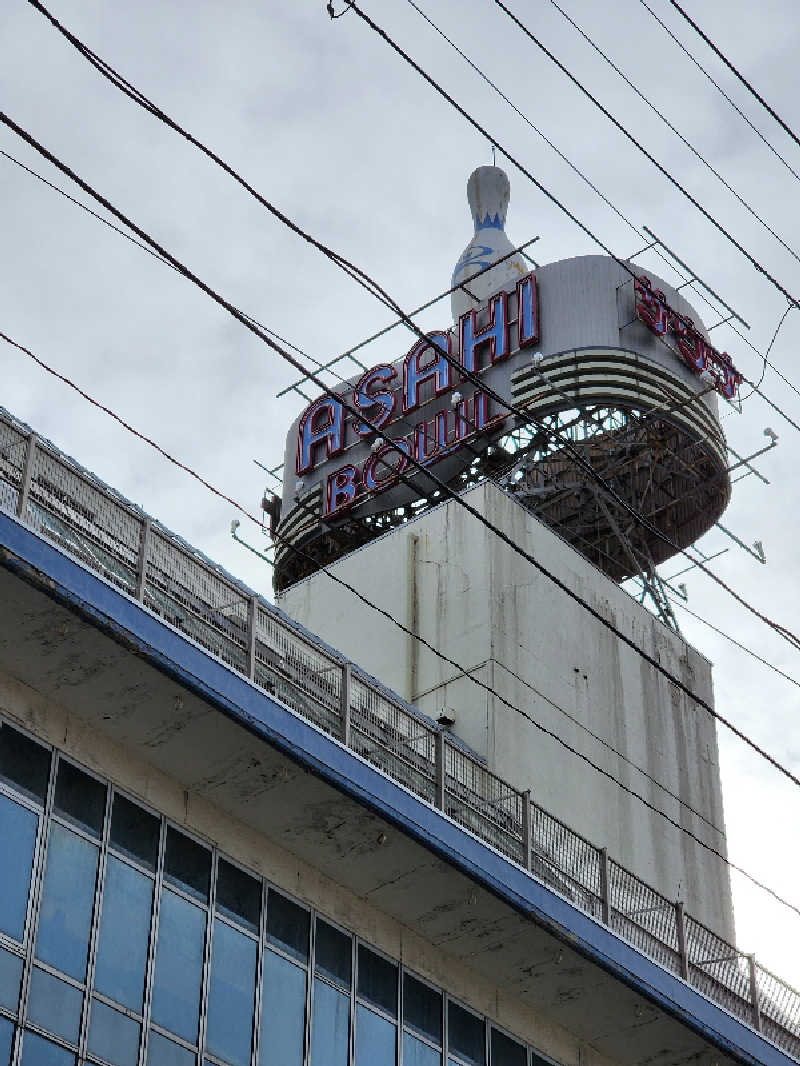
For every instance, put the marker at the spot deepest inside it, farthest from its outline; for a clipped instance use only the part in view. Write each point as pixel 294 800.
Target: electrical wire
pixel 719 88
pixel 375 289
pixel 790 637
pixel 610 62
pixel 625 132
pixel 732 640
pixel 590 184
pixel 721 55
pixel 386 614
pixel 321 366
pixel 446 490
pixel 441 485
pixel 757 386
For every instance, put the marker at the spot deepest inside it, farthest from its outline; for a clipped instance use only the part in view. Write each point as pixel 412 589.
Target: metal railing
pixel 71 508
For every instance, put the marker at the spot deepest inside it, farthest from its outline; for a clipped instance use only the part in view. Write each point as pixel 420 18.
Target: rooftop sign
pixel 397 400
pixel 653 309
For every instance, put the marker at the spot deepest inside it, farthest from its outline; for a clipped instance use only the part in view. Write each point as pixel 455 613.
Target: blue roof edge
pixel 65 580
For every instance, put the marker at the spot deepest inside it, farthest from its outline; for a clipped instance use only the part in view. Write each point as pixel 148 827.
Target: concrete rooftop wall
pixel 458 586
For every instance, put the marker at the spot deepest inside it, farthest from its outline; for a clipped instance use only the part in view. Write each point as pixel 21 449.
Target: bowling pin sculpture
pixel 488 191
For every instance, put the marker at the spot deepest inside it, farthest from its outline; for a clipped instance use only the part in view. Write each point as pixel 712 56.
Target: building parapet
pixel 75 511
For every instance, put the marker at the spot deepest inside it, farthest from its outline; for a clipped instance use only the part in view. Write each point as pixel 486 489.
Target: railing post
pixel 141 566
pixel 25 481
pixel 344 702
pixel 680 925
pixel 252 615
pixel 439 797
pixel 754 993
pixel 605 887
pixel 526 829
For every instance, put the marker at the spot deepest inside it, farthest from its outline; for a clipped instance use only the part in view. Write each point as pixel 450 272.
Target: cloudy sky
pixel 340 134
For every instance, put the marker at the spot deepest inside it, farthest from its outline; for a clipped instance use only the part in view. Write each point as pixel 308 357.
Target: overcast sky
pixel 340 134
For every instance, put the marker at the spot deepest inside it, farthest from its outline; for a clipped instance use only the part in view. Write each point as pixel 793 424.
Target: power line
pixel 595 613
pixel 607 59
pixel 574 455
pixel 757 386
pixel 421 467
pixel 149 251
pixel 370 285
pixel 740 76
pixel 719 88
pixel 386 614
pixel 587 181
pixel 625 132
pixel 732 640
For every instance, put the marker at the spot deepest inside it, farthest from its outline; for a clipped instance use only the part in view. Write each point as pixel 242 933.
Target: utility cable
pixel 386 614
pixel 590 184
pixel 610 62
pixel 757 386
pixel 732 640
pixel 375 289
pixel 445 489
pixel 577 458
pixel 721 55
pixel 719 88
pixel 625 132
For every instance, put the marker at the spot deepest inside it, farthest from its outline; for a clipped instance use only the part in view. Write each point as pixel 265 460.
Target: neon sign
pixel 386 395
pixel 695 351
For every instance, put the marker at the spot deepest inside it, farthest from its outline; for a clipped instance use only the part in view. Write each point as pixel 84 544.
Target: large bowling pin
pixel 488 190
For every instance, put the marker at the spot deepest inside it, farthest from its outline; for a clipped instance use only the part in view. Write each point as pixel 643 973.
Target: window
pixel 179 933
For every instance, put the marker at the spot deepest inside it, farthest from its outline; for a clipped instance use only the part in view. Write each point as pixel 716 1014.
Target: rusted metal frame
pixel 695 277
pixel 141 565
pixel 345 693
pixel 439 794
pixel 605 886
pixel 401 321
pixel 252 620
pixel 754 996
pixel 25 478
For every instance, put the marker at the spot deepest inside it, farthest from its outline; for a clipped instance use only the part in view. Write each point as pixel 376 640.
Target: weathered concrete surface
pixel 457 585
pixel 120 691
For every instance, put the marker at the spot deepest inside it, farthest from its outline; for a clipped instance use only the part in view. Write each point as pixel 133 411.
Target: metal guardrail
pixel 68 506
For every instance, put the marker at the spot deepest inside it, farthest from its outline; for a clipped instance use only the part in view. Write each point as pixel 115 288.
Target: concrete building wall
pixel 450 580
pixel 49 722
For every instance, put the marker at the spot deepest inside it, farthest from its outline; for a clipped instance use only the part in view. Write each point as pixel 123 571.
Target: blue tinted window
pixel 39 1052
pixel 17 840
pixel 288 925
pixel 283 1012
pixel 80 798
pixel 179 966
pixel 375 1039
pixel 238 895
pixel 507 1052
pixel 416 1053
pixel 113 1036
pixel 10 977
pixel 329 1026
pixel 466 1034
pixel 187 864
pixel 422 1008
pixel 66 911
pixel 163 1052
pixel 377 980
pixel 24 763
pixel 333 955
pixel 231 995
pixel 124 934
pixel 134 832
pixel 55 1005
pixel 6 1036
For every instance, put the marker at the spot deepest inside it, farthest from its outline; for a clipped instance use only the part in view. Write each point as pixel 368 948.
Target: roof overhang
pixel 76 639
